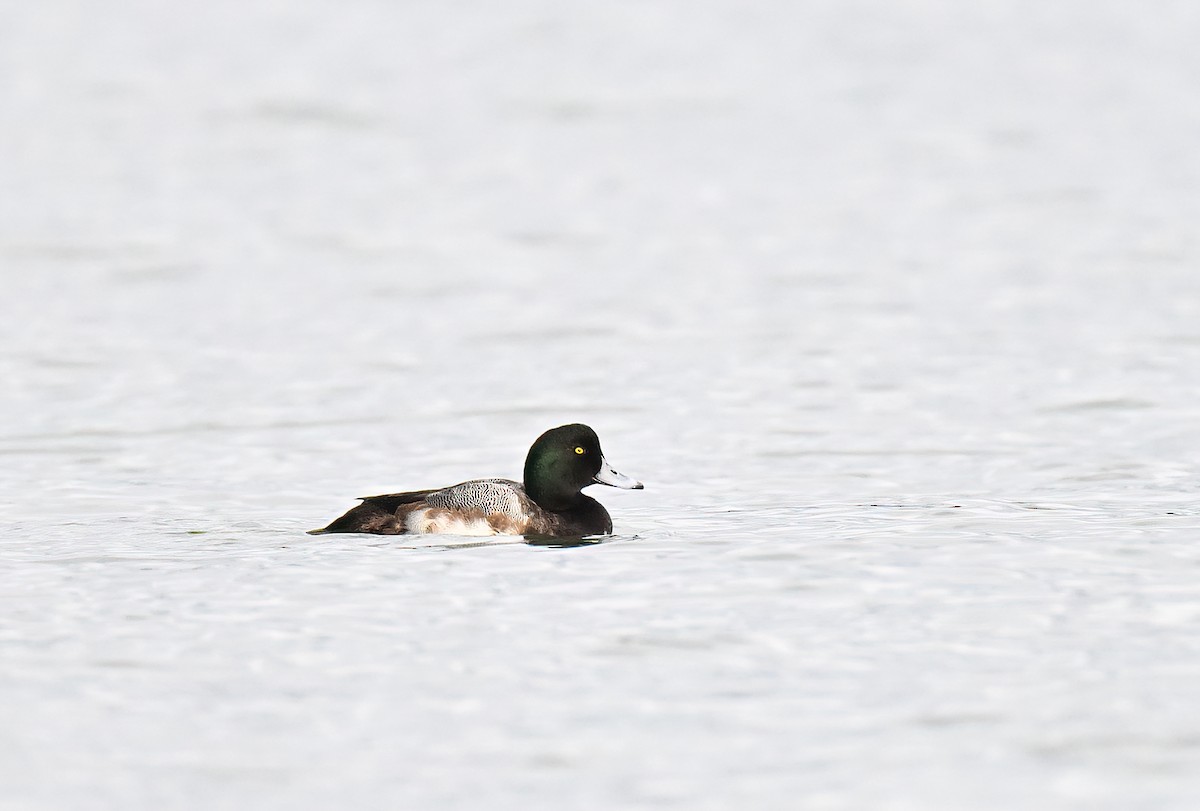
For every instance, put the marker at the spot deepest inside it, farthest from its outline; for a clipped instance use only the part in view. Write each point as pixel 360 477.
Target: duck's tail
pixel 378 515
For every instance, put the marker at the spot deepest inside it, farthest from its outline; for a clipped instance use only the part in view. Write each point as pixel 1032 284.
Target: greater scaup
pixel 560 464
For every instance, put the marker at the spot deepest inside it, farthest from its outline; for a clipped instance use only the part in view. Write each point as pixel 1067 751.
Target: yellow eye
pixel 580 451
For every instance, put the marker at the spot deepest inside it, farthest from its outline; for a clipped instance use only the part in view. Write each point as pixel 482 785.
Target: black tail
pixel 376 515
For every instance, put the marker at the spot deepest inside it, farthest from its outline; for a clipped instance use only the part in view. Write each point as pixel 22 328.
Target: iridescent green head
pixel 565 460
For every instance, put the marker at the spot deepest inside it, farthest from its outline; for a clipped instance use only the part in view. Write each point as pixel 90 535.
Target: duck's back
pixel 476 507
pixel 502 496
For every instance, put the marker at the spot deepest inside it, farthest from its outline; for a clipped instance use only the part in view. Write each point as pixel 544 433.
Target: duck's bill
pixel 614 479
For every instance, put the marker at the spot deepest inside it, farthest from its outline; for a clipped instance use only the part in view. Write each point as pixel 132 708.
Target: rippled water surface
pixel 893 307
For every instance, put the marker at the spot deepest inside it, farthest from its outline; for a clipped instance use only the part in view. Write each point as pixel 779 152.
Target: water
pixel 893 307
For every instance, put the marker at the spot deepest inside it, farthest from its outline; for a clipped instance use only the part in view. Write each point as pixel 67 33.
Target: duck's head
pixel 565 460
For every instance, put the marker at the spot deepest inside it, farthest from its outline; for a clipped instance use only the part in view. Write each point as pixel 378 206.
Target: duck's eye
pixel 580 450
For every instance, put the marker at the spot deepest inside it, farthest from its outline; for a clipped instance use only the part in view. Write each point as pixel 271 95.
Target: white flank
pixel 420 522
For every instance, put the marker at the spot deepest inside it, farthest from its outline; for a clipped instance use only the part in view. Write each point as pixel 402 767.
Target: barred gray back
pixel 489 495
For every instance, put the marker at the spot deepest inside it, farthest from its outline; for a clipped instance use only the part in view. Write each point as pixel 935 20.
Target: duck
pixel 547 503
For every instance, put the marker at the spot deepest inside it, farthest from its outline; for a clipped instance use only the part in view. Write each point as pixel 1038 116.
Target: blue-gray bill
pixel 614 479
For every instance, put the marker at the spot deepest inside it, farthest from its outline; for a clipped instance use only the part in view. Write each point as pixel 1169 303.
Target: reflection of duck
pixel 560 464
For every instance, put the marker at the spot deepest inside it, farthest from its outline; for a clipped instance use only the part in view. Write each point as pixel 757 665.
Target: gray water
pixel 894 308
